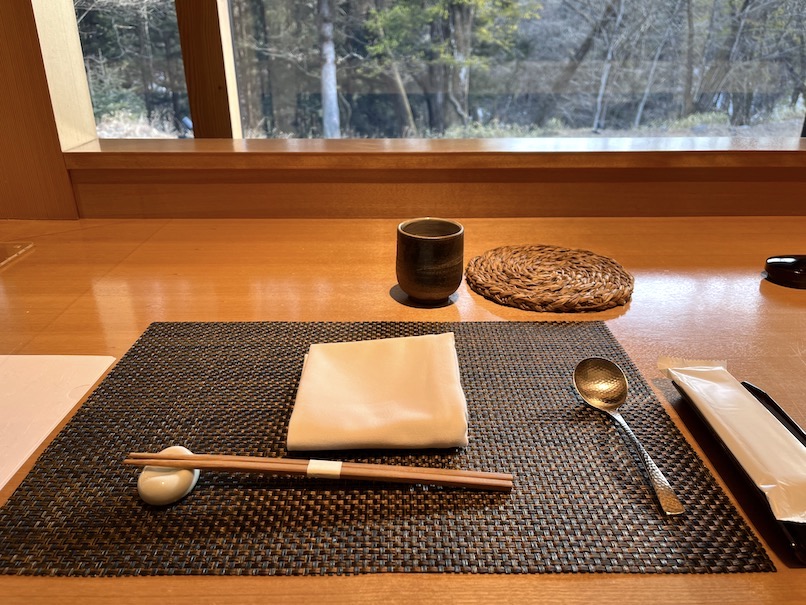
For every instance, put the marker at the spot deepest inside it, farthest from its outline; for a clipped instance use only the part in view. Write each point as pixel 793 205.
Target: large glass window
pixel 134 67
pixel 465 68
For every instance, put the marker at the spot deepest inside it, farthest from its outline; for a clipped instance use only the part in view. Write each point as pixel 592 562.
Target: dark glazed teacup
pixel 430 258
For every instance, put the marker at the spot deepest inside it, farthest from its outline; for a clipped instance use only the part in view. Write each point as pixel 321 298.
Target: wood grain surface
pixel 93 286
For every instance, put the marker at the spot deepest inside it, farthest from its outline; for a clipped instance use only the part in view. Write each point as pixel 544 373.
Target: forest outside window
pixel 434 69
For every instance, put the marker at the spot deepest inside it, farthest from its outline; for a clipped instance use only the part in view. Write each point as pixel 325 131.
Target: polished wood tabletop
pixel 93 286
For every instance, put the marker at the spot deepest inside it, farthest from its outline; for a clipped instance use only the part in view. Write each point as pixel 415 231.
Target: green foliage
pixel 711 118
pixel 133 58
pixel 497 130
pixel 109 91
pixel 400 32
pixel 421 31
pixel 498 20
pixel 469 68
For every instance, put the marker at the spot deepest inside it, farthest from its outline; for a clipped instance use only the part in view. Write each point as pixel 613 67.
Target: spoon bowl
pixel 603 385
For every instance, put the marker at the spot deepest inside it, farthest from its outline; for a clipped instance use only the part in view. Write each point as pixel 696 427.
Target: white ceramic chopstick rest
pixel 160 485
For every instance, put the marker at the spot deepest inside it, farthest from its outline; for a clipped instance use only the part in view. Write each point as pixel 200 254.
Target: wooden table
pixel 93 286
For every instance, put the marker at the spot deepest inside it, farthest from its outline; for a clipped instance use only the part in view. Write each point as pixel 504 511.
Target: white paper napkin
pixel 385 393
pixel 772 456
pixel 36 392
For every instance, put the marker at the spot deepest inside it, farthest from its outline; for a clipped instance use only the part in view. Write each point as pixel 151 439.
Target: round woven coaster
pixel 549 278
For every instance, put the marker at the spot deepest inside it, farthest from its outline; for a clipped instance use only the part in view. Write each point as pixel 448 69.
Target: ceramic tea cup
pixel 430 258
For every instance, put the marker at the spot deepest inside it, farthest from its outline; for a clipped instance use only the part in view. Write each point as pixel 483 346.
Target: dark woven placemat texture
pixel 580 501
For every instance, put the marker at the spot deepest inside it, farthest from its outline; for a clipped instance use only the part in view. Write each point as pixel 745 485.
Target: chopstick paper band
pixel 324 469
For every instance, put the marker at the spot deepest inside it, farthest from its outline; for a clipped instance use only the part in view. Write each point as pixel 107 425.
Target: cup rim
pixel 402 226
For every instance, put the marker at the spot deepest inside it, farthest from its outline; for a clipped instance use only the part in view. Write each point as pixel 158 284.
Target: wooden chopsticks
pixel 328 469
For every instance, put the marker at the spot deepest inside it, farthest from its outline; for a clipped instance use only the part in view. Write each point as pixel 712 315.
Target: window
pixel 133 59
pixel 463 69
pixel 61 169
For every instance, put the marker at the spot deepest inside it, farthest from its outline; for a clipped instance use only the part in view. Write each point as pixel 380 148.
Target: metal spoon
pixel 603 385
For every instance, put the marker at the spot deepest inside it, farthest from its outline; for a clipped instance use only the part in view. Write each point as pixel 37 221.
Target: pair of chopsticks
pixel 479 480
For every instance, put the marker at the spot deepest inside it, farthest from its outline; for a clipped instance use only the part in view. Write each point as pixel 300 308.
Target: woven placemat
pixel 580 501
pixel 549 278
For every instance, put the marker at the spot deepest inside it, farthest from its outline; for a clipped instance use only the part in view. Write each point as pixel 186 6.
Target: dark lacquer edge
pixel 794 533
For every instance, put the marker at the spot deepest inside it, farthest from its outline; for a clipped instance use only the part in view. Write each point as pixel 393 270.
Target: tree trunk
pixel 547 104
pixel 653 68
pixel 461 23
pixel 410 129
pixel 687 107
pixel 411 126
pixel 261 34
pixel 244 63
pixel 599 115
pixel 435 98
pixel 173 79
pixel 799 88
pixel 331 128
pixel 435 85
pixel 145 59
pixel 718 70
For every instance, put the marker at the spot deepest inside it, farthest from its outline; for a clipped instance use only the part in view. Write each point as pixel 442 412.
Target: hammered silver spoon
pixel 603 385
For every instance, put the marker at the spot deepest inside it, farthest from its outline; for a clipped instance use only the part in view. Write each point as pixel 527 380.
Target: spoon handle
pixel 669 501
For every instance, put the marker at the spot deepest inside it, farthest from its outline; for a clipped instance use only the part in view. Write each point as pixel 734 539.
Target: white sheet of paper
pixel 36 393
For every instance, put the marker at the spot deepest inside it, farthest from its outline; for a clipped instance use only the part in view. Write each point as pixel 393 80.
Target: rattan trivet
pixel 549 278
pixel 580 501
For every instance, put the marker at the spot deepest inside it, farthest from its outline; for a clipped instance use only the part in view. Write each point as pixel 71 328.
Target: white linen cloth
pixel 772 456
pixel 386 393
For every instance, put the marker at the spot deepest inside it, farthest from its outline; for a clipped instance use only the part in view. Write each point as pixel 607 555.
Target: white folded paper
pixel 36 392
pixel 774 459
pixel 385 393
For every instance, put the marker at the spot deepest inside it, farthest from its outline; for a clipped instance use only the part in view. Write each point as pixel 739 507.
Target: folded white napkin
pixel 772 456
pixel 386 393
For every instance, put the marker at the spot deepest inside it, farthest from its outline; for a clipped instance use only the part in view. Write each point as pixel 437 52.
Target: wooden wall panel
pixel 470 178
pixel 322 199
pixel 34 181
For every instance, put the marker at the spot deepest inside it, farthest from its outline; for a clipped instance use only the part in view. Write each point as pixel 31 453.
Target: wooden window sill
pixel 406 177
